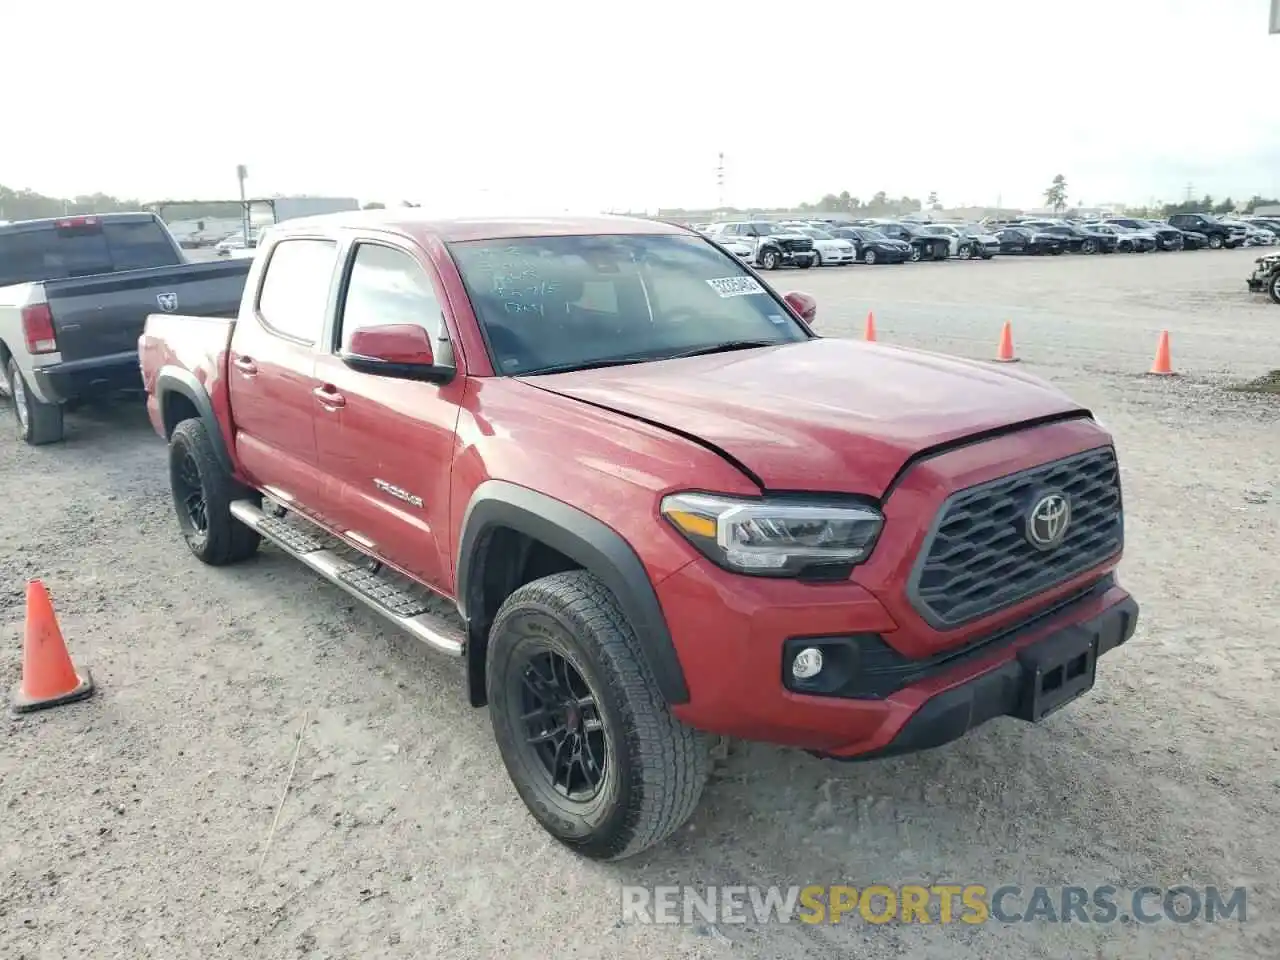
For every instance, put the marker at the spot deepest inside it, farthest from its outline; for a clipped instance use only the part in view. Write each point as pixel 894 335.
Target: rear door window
pixel 295 288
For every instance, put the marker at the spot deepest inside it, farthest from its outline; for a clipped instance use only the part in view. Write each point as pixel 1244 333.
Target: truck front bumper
pixel 736 643
pixel 1035 681
pixel 86 379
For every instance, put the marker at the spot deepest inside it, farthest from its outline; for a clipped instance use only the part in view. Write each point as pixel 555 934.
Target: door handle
pixel 245 365
pixel 329 397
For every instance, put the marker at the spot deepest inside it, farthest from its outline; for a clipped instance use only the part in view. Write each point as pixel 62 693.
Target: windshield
pixel 765 229
pixel 816 233
pixel 562 302
pixel 865 233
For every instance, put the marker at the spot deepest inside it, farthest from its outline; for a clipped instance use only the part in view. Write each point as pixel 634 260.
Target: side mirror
pixel 803 304
pixel 401 350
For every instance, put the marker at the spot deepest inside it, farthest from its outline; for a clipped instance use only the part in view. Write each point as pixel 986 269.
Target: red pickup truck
pixel 605 463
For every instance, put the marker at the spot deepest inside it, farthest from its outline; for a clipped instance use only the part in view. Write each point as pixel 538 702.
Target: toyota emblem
pixel 1048 520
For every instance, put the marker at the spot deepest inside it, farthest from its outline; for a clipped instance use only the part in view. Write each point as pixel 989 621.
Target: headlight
pixel 773 538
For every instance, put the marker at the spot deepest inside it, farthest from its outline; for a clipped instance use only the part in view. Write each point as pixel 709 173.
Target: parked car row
pixel 772 244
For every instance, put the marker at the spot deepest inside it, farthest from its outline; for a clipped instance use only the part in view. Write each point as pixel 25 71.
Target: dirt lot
pixel 133 825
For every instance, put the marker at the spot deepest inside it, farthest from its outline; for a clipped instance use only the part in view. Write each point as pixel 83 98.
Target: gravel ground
pixel 136 824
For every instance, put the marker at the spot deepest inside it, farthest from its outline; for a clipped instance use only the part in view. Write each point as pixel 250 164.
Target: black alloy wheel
pixel 563 729
pixel 189 496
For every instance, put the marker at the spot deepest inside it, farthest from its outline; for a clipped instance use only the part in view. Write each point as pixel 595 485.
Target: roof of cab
pixel 408 222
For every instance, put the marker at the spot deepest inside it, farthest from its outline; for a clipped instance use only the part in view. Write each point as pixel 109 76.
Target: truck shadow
pixel 1068 801
pixel 104 426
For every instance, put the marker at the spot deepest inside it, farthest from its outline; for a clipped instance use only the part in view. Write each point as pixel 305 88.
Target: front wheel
pixel 1089 246
pixel 1273 288
pixel 966 252
pixel 584 733
pixel 1215 242
pixel 817 259
pixel 869 257
pixel 769 260
pixel 915 254
pixel 202 494
pixel 38 422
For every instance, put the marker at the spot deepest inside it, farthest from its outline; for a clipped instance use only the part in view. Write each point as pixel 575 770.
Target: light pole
pixel 242 172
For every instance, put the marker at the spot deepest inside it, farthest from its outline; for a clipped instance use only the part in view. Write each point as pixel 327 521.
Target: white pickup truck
pixel 75 293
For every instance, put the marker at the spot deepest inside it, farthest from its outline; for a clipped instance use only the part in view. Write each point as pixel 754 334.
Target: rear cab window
pixel 83 246
pixel 559 302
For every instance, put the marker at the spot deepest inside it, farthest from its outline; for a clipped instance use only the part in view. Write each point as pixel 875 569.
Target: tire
pixel 817 259
pixel 1089 246
pixel 1215 242
pixel 769 260
pixel 39 423
pixel 1273 288
pixel 654 767
pixel 966 251
pixel 916 255
pixel 805 264
pixel 869 257
pixel 195 471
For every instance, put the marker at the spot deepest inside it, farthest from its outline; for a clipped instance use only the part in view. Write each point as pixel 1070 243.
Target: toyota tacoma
pixel 604 464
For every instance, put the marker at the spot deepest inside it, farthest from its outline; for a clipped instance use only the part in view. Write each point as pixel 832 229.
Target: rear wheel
pixel 202 494
pixel 869 257
pixel 585 735
pixel 1215 242
pixel 916 254
pixel 38 422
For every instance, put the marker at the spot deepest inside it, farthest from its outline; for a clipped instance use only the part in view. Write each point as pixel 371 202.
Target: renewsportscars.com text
pixel 939 903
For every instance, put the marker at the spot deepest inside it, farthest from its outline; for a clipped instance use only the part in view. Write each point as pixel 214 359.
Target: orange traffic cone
pixel 1004 353
pixel 1161 366
pixel 49 678
pixel 870 332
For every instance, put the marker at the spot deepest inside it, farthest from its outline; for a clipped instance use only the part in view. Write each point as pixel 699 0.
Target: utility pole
pixel 720 180
pixel 242 173
pixel 1191 192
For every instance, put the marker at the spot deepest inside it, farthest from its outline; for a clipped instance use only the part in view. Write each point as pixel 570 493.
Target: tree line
pixel 29 205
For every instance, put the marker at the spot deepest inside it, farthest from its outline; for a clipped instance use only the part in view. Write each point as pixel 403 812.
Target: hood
pixel 830 415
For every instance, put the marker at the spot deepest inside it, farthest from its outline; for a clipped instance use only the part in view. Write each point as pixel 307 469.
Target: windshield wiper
pixel 585 365
pixel 723 347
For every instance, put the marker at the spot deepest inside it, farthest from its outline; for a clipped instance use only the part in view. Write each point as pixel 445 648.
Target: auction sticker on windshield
pixel 736 286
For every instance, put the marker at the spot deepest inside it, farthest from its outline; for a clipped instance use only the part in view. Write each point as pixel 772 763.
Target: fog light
pixel 807 664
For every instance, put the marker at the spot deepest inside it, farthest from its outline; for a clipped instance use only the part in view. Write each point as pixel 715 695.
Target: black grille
pixel 978 560
pixel 797 246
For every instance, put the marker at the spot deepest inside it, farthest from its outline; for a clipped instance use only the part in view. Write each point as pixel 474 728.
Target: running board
pixel 400 608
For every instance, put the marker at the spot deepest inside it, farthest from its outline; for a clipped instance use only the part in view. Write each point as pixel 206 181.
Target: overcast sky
pixel 506 104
